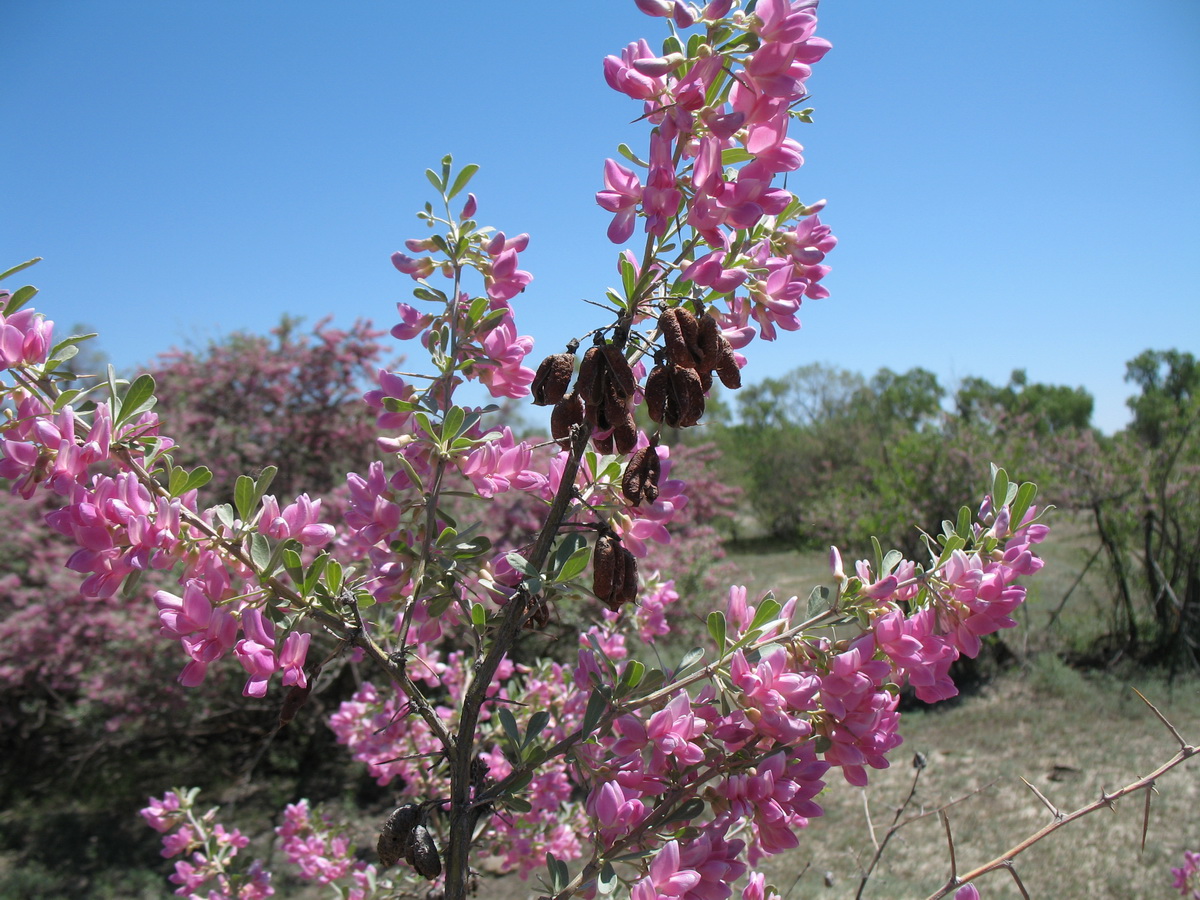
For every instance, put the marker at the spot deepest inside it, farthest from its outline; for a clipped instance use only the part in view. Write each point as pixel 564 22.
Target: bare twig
pixel 1106 800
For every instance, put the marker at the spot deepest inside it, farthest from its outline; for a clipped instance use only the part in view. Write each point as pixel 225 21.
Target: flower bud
pixel 470 207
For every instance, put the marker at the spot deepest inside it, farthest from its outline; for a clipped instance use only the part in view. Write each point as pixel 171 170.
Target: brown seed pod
pixel 658 387
pixel 621 558
pixel 727 367
pixel 293 700
pixel 688 393
pixel 709 340
pixel 625 434
pixel 553 378
pixel 604 562
pixel 397 834
pixel 603 443
pixel 423 854
pixel 567 413
pixel 680 336
pixel 590 370
pixel 628 591
pixel 641 476
pixel 620 373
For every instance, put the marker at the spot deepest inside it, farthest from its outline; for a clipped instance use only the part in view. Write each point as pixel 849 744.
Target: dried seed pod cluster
pixel 698 344
pixel 405 834
pixel 614 572
pixel 606 385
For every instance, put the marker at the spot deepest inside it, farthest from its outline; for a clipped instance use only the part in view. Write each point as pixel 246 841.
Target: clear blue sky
pixel 1014 185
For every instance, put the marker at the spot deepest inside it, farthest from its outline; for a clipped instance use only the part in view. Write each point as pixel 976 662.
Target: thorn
pixel 1162 718
pixel 1054 810
pixel 1146 815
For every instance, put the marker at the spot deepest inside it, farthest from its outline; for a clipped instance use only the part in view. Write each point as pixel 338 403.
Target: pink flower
pixel 623 192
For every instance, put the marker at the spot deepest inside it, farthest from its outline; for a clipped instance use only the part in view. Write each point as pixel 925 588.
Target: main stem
pixel 464 815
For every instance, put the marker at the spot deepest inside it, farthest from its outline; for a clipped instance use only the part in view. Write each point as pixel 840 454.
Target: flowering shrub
pixel 668 781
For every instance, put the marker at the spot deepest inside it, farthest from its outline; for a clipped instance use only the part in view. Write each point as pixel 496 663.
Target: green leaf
pixel 607 881
pixel 717 629
pixel 17 268
pixel 767 610
pixel 1026 494
pixel 878 554
pixel 537 723
pixel 223 513
pixel 819 600
pixel 596 705
pixel 687 811
pixel 199 477
pixel 509 724
pixel 478 615
pixel 292 563
pixel 631 677
pixel 963 527
pixel 313 575
pixel 690 658
pixel 438 184
pixel 243 496
pixel 19 298
pixel 333 576
pixel 891 559
pixel 59 351
pixel 467 173
pixel 452 423
pixel 628 275
pixel 137 400
pixel 575 564
pixel 624 150
pixel 521 564
pixel 518 804
pixel 260 551
pixel 176 481
pixel 735 155
pixel 999 488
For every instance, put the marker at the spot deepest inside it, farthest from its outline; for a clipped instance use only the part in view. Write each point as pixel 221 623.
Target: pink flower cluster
pixel 1187 877
pixel 698 125
pixel 209 870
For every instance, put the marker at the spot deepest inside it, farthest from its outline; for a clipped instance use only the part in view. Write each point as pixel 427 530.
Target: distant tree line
pixel 824 453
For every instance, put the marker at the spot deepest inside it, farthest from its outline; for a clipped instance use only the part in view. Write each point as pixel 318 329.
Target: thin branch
pixel 1106 800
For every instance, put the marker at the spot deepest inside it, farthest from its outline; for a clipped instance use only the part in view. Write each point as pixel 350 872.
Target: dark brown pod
pixel 293 700
pixel 567 413
pixel 688 393
pixel 628 590
pixel 423 854
pixel 589 383
pixel 673 339
pixel 625 434
pixel 709 339
pixel 680 333
pixel 397 834
pixel 658 387
pixel 553 378
pixel 640 481
pixel 603 443
pixel 604 561
pixel 727 367
pixel 619 370
pixel 621 558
